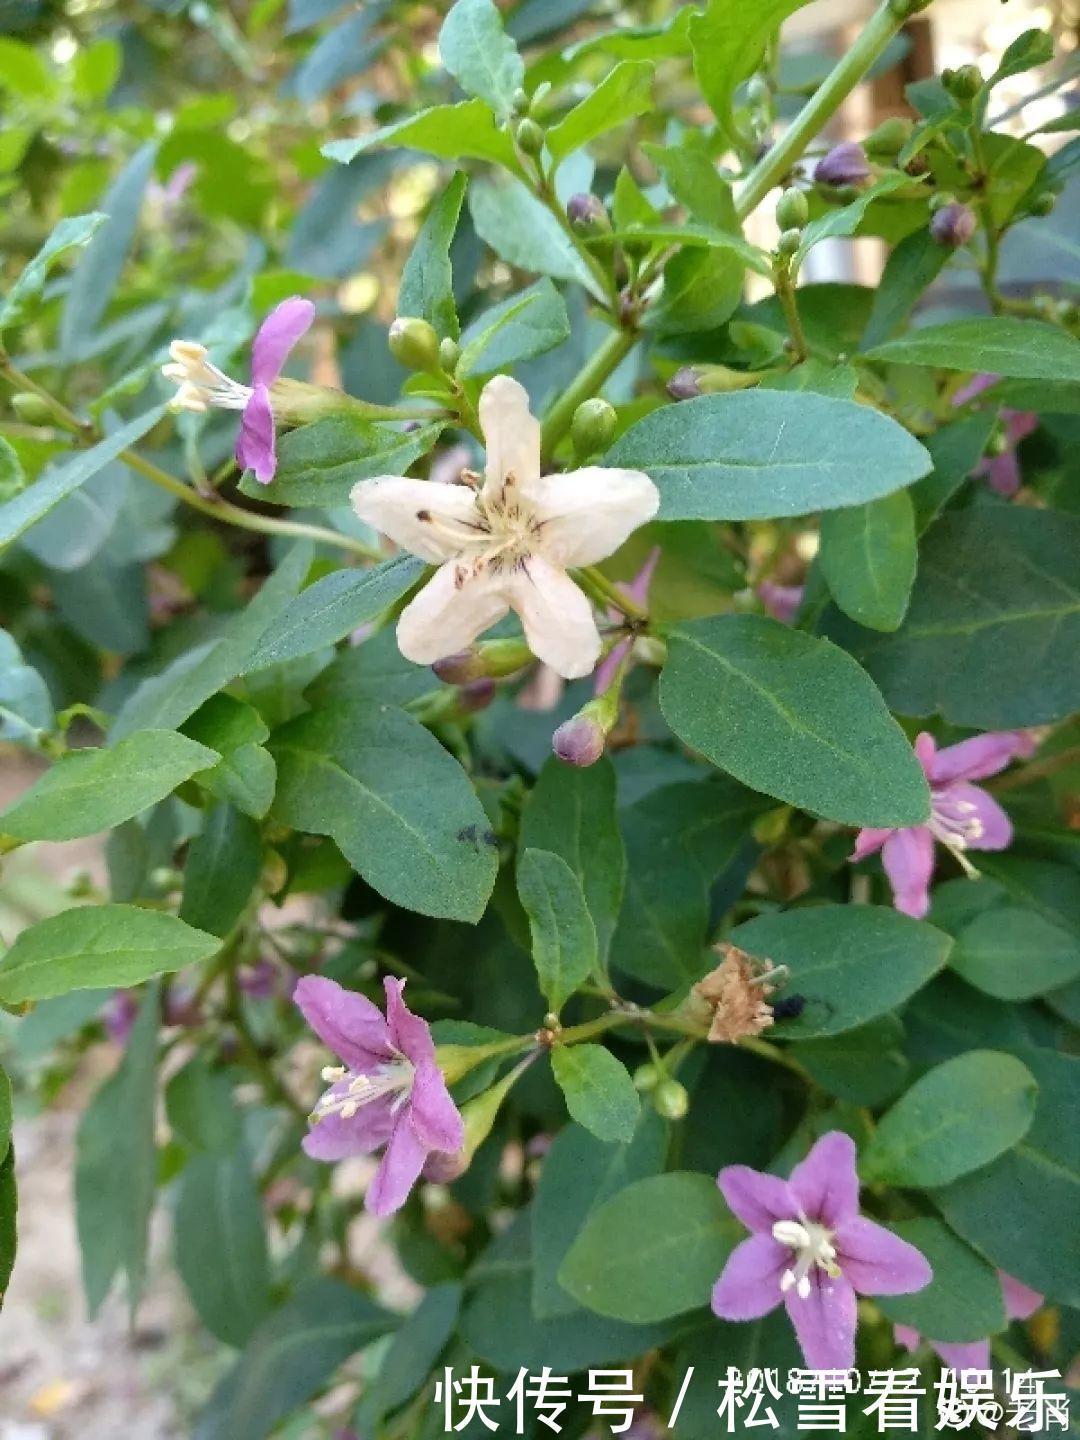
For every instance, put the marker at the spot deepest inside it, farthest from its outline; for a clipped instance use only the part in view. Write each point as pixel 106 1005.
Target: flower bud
pixel 757 91
pixel 476 695
pixel 953 224
pixel 671 1100
pixel 492 659
pixel 1042 205
pixel 889 138
pixel 845 164
pixel 592 427
pixel 685 383
pixel 449 355
pixel 963 84
pixel 789 242
pixel 580 740
pixel 530 137
pixel 647 1077
pixel 414 343
pixel 792 209
pixel 31 409
pixel 587 214
pixel 519 101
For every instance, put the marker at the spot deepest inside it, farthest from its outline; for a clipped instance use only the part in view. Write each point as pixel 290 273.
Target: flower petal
pixel 907 1337
pixel 749 1285
pixel 559 624
pixel 256 448
pixel 609 666
pixel 997 830
pixel 824 1322
pixel 587 514
pixel 980 756
pixel 926 751
pixel 450 612
pixel 757 1199
pixel 428 519
pixel 825 1184
pixel 1021 1301
pixel 337 1138
pixel 277 335
pixel 398 1170
pixel 908 857
pixel 435 1117
pixel 349 1023
pixel 975 1355
pixel 877 1262
pixel 408 1032
pixel 1003 474
pixel 868 842
pixel 511 436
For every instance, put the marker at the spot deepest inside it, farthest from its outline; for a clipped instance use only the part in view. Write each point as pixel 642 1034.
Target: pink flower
pixel 201 385
pixel 638 592
pixel 962 815
pixel 1002 472
pixel 1020 1302
pixel 781 601
pixel 810 1248
pixel 390 1090
pixel 119 1014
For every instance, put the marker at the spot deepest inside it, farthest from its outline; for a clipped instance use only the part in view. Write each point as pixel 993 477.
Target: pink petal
pixel 926 752
pixel 825 1322
pixel 973 1356
pixel 980 756
pixel 757 1199
pixel 408 1033
pixel 868 842
pixel 398 1170
pixel 825 1183
pixel 782 602
pixel 908 857
pixel 434 1116
pixel 749 1286
pixel 997 830
pixel 638 589
pixel 276 336
pixel 907 1337
pixel 350 1024
pixel 609 667
pixel 877 1262
pixel 975 386
pixel 1020 1300
pixel 1003 473
pixel 336 1138
pixel 255 445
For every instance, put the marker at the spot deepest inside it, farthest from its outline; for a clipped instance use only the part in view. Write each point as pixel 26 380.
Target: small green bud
pixel 490 659
pixel 1042 204
pixel 530 137
pixel 963 84
pixel 888 138
pixel 647 1077
pixel 30 408
pixel 757 91
pixel 414 343
pixel 592 427
pixel 771 827
pixel 671 1100
pixel 792 210
pixel 940 199
pixel 789 242
pixel 449 355
pixel 539 95
pixel 519 101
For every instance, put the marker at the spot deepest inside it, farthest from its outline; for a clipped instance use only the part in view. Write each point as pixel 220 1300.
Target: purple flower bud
pixel 953 225
pixel 182 1008
pixel 585 209
pixel 579 741
pixel 845 164
pixel 684 385
pixel 119 1015
pixel 458 669
pixel 477 694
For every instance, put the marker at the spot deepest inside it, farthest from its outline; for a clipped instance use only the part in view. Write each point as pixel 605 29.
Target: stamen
pixel 790 1232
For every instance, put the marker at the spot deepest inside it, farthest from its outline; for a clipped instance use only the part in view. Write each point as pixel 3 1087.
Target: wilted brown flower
pixel 736 994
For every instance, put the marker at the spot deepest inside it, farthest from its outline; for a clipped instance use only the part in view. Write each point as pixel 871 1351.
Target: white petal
pixel 447 615
pixel 428 519
pixel 588 513
pixel 511 435
pixel 558 619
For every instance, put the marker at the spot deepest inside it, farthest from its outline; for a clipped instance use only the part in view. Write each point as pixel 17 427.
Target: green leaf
pixel 399 807
pixel 427 281
pixel 6 1114
pixel 98 945
pixel 223 865
pixel 319 464
pixel 955 450
pixel 70 234
pixel 759 454
pixel 571 812
pixel 9 1208
pixel 95 789
pixel 97 272
pixel 865 1066
pixel 837 223
pixel 598 1090
pixel 1017 349
pixel 962 1303
pixel 412 1353
pixel 792 716
pixel 702 290
pixel 525 324
pixel 956 1118
pixel 116 1165
pixel 910 269
pixel 26 710
pixel 624 92
pixel 694 181
pixel 994 622
pixel 563 935
pixel 201 1108
pixel 65 476
pixel 522 231
pixel 868 556
pixel 1033 47
pixel 851 963
pixel 1013 953
pixel 246 775
pixel 221 1244
pixel 653 1250
pixel 24 72
pixel 728 44
pixel 481 56
pixel 291 1357
pixel 375 670
pixel 454 132
pixel 332 608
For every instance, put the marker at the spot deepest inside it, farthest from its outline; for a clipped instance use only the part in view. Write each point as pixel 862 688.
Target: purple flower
pixel 390 1090
pixel 266 978
pixel 1020 1302
pixel 810 1247
pixel 1002 472
pixel 201 385
pixel 782 602
pixel 845 164
pixel 119 1014
pixel 962 815
pixel 638 592
pixel 953 225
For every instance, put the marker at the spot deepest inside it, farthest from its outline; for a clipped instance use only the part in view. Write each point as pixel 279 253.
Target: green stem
pixel 586 384
pixel 785 293
pixel 607 593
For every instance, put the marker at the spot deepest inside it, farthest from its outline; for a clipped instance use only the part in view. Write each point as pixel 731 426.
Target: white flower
pixel 505 542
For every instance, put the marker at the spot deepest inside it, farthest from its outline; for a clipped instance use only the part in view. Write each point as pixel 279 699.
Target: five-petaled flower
pixel 390 1090
pixel 201 385
pixel 812 1249
pixel 962 815
pixel 1020 1303
pixel 504 541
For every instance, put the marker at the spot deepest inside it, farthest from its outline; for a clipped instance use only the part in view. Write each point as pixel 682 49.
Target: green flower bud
pixel 592 427
pixel 449 355
pixel 963 84
pixel 888 138
pixel 757 91
pixel 792 210
pixel 939 200
pixel 789 242
pixel 772 826
pixel 520 101
pixel 671 1100
pixel 647 1077
pixel 30 408
pixel 491 659
pixel 1041 205
pixel 530 137
pixel 587 214
pixel 414 343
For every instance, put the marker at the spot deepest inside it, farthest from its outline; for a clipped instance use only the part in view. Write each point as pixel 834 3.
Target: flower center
pixel 501 537
pixel 955 824
pixel 350 1090
pixel 200 384
pixel 812 1246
